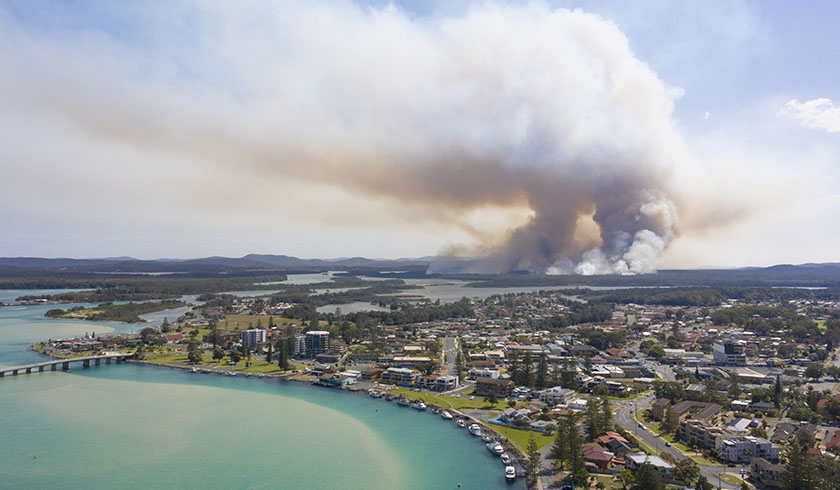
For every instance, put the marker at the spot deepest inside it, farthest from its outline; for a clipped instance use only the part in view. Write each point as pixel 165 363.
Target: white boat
pixel 418 406
pixel 510 473
pixel 403 402
pixel 446 415
pixel 505 459
pixel 495 448
pixel 486 438
pixel 194 370
pixel 475 430
pixel 435 411
pixel 375 394
pixel 461 423
pixel 230 373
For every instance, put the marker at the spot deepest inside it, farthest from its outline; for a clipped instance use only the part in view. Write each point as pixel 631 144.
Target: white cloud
pixel 814 114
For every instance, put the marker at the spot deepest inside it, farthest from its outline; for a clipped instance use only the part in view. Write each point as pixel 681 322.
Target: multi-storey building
pixel 742 449
pixel 252 338
pixel 400 376
pixel 317 342
pixel 730 353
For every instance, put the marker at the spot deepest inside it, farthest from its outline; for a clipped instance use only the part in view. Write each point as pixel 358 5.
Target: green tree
pixel 534 460
pixel 542 372
pixel 606 414
pixel 799 468
pixel 559 450
pixel 269 354
pixel 777 392
pixel 235 356
pixel 139 354
pixel 574 455
pixel 646 478
pixel 625 477
pixel 815 370
pixel 568 377
pixel 459 365
pixel 594 419
pixel 686 470
pixel 703 484
pixel 656 351
pixel 734 390
pixel 194 355
pixel 527 370
pixel 218 354
pixel 283 355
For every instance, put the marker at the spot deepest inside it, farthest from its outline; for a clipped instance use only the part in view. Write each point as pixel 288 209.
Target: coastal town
pixel 568 393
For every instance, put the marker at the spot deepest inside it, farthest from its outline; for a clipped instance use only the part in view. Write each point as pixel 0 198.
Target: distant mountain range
pixel 804 275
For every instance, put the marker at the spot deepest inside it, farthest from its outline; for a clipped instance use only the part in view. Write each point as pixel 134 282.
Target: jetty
pixel 64 363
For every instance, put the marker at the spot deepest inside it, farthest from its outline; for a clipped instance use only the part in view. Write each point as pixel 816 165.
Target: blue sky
pixel 106 103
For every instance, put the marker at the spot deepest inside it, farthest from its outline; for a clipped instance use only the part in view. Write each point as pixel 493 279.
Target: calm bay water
pixel 131 426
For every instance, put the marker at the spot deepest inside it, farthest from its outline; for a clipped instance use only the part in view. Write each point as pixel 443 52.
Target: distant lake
pixel 303 278
pixel 351 308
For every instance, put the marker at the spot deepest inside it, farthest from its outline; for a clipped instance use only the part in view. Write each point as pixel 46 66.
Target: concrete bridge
pixel 64 363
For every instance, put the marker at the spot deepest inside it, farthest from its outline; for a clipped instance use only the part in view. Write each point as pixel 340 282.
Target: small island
pixel 127 312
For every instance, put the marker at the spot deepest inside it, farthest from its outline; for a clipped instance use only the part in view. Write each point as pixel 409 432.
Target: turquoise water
pixel 128 426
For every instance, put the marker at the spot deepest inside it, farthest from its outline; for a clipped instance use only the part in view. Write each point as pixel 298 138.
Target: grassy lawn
pixel 449 401
pixel 729 478
pixel 681 447
pixel 704 461
pixel 180 358
pixel 520 437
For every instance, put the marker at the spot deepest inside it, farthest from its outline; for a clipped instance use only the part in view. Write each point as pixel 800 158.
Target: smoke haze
pixel 514 108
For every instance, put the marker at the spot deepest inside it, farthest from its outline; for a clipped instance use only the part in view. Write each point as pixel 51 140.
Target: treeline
pixel 579 313
pixel 813 275
pixel 157 287
pixel 706 296
pixel 765 319
pixel 128 312
pixel 415 314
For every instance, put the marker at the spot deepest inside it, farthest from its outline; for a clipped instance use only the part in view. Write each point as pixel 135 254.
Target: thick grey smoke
pixel 506 107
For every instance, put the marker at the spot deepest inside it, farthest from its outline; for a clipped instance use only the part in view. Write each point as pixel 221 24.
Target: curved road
pixel 624 418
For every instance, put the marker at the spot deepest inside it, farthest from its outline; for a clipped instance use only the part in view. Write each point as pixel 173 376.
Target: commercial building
pixel 252 338
pixel 730 353
pixel 317 342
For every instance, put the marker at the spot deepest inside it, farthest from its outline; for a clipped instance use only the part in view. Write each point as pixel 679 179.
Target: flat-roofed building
pixel 317 342
pixel 400 376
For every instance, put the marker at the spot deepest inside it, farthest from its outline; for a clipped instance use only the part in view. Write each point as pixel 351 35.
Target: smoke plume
pixel 503 107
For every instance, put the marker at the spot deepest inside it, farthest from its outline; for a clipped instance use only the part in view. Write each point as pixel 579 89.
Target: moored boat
pixel 510 473
pixel 495 448
pixel 446 415
pixel 375 394
pixel 403 402
pixel 475 430
pixel 461 423
pixel 505 458
pixel 486 438
pixel 418 405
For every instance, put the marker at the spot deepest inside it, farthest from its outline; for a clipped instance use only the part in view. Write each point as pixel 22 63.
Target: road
pixel 624 418
pixel 450 352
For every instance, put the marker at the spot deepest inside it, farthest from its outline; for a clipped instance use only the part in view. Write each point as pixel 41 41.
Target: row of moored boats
pixel 474 429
